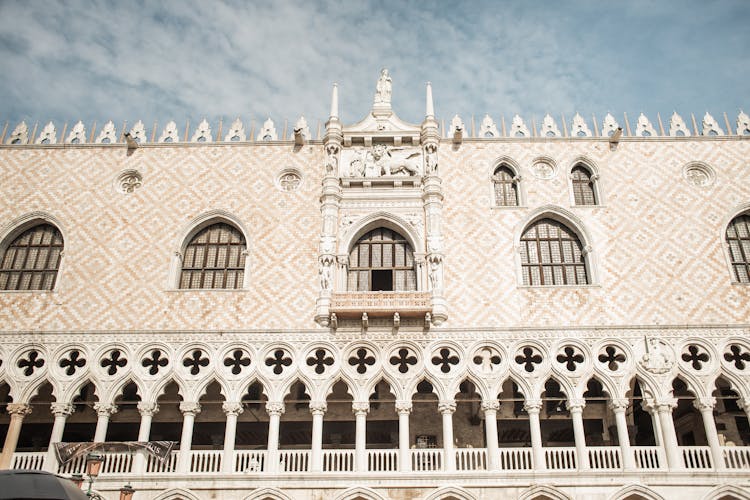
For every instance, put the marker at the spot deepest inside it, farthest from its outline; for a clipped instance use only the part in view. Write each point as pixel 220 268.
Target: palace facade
pixel 383 310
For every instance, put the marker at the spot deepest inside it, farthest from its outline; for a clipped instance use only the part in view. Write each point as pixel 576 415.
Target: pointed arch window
pixel 505 185
pixel 31 261
pixel 214 258
pixel 382 260
pixel 738 241
pixel 584 189
pixel 552 254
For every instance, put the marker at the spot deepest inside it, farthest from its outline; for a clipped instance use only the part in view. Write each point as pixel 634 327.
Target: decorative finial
pixel 335 101
pixel 429 107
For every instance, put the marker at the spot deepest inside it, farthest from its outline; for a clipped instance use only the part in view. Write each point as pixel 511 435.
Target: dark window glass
pixel 738 240
pixel 506 188
pixel 214 258
pixel 31 261
pixel 552 254
pixel 382 260
pixel 583 186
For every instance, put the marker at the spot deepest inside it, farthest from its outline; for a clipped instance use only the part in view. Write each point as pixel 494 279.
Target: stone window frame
pixel 510 164
pixel 20 225
pixel 591 168
pixel 742 210
pixel 186 236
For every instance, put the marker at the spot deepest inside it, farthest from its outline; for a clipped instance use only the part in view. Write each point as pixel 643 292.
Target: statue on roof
pixel 383 88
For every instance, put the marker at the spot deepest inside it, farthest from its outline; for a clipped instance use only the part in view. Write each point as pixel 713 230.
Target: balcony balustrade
pixel 429 460
pixel 353 304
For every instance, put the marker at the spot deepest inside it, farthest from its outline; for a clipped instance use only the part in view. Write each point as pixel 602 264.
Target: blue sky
pixel 180 60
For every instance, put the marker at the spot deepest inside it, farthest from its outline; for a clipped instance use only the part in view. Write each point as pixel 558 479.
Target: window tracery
pixel 552 254
pixel 583 180
pixel 214 258
pixel 32 260
pixel 505 184
pixel 738 241
pixel 382 260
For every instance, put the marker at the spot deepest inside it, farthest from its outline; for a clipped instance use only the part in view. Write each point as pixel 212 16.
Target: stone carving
pixel 20 134
pixel 518 128
pixel 542 169
pixel 268 132
pixel 436 275
pixel 236 132
pixel 711 126
pixel 170 133
pixel 138 132
pixel 129 181
pixel 457 125
pixel 332 161
pixel 289 180
pixel 609 125
pixel 644 128
pixel 301 128
pixel 487 360
pixel 202 133
pixel 384 160
pixel 324 273
pixel 48 135
pixel 743 124
pixel 549 127
pixel 77 134
pixel 677 126
pixel 430 159
pixel 657 359
pixel 488 128
pixel 383 88
pixel 579 128
pixel 108 135
pixel 698 175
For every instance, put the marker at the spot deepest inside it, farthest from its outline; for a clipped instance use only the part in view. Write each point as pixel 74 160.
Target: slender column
pixel 231 409
pixel 490 409
pixel 318 409
pixel 404 459
pixel 669 436
pixel 533 407
pixel 103 412
pixel 447 408
pixel 147 409
pixel 61 411
pixel 576 406
pixel 649 407
pixel 360 409
pixel 17 412
pixel 274 409
pixel 706 405
pixel 189 410
pixel 620 407
pixel 745 405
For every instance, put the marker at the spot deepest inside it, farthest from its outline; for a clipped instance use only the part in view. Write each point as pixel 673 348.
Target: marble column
pixel 360 409
pixel 575 407
pixel 706 405
pixel 318 410
pixel 103 412
pixel 17 412
pixel 490 409
pixel 232 409
pixel 274 409
pixel 189 410
pixel 404 455
pixel 533 407
pixel 664 411
pixel 147 409
pixel 446 409
pixel 619 408
pixel 61 411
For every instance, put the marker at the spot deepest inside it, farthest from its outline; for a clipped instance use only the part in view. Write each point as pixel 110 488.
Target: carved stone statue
pixel 325 277
pixel 388 163
pixel 383 88
pixel 332 162
pixel 656 359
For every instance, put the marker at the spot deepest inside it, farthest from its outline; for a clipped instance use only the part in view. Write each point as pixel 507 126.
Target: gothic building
pixel 383 310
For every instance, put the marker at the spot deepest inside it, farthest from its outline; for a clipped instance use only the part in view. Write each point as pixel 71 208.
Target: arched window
pixel 31 260
pixel 214 258
pixel 382 260
pixel 738 240
pixel 552 254
pixel 506 187
pixel 584 192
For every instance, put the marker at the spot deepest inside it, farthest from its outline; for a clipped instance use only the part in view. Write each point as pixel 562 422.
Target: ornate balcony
pixel 406 304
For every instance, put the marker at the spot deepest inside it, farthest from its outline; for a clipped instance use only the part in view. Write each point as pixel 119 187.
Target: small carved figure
pixel 656 359
pixel 435 275
pixel 383 88
pixel 325 277
pixel 332 162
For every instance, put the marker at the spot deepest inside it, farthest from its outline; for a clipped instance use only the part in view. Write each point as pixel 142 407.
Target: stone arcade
pixel 549 310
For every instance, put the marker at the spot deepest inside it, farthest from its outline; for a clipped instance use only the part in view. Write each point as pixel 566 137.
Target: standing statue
pixel 383 88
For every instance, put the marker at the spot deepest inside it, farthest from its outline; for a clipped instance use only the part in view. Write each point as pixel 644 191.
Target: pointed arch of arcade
pixel 268 494
pixel 359 493
pixel 636 489
pixel 177 494
pixel 727 492
pixel 450 493
pixel 544 491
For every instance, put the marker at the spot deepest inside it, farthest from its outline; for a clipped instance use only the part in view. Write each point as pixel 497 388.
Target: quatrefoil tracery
pixel 696 356
pixel 114 361
pixel 737 356
pixel 570 357
pixel 362 359
pixel 237 361
pixel 31 363
pixel 528 358
pixel 613 357
pixel 72 362
pixel 320 359
pixel 154 361
pixel 445 359
pixel 403 359
pixel 195 362
pixel 278 360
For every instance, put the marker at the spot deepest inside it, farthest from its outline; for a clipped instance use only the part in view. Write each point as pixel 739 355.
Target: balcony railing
pixel 431 460
pixel 353 304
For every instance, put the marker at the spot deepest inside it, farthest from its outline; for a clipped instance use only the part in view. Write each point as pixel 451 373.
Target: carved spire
pixel 429 107
pixel 335 101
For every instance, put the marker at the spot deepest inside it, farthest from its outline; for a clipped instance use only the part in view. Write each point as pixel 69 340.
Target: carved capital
pixel 190 408
pixel 18 410
pixel 318 407
pixel 490 405
pixel 404 406
pixel 533 406
pixel 448 406
pixel 61 409
pixel 148 408
pixel 704 404
pixel 105 409
pixel 576 405
pixel 232 408
pixel 360 407
pixel 665 405
pixel 275 408
pixel 618 405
